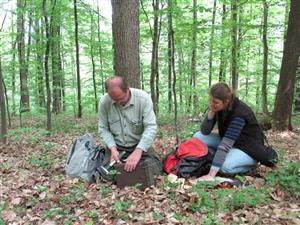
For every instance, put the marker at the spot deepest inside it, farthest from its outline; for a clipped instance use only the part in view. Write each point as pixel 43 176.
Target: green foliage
pixel 211 200
pixel 73 194
pixel 287 178
pixel 40 160
pixel 120 208
pixel 105 191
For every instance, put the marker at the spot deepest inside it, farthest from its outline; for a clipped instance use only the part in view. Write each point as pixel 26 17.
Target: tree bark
pixel 194 56
pixel 284 97
pixel 297 91
pixel 46 67
pixel 24 102
pixel 79 113
pixel 93 62
pixel 39 65
pixel 265 60
pixel 170 55
pixel 234 76
pixel 212 34
pixel 55 56
pixel 154 56
pixel 100 50
pixel 3 110
pixel 125 27
pixel 222 58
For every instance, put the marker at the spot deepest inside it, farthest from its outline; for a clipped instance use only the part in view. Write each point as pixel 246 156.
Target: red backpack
pixel 190 158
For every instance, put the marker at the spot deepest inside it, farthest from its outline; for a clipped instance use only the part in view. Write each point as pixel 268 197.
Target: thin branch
pixel 143 8
pixel 3 21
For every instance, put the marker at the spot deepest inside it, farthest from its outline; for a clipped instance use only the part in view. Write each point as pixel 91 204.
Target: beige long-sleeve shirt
pixel 129 125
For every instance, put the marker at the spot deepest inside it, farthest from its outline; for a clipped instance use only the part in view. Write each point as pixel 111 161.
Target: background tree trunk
pixel 24 102
pixel 100 50
pixel 39 64
pixel 3 109
pixel 55 56
pixel 154 55
pixel 222 58
pixel 211 41
pixel 284 97
pixel 79 113
pixel 234 76
pixel 265 61
pixel 125 27
pixel 194 56
pixel 46 67
pixel 170 55
pixel 93 63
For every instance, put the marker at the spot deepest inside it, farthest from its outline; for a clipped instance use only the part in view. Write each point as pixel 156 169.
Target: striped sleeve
pixel 231 135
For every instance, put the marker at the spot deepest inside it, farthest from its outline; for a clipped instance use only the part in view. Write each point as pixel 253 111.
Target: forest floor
pixel 35 190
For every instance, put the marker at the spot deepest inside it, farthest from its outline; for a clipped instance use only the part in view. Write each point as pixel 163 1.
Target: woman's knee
pixel 212 140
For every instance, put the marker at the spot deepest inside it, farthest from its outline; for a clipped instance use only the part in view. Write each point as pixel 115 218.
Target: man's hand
pixel 133 160
pixel 114 154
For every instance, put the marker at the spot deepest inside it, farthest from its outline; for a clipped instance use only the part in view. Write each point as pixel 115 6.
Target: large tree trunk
pixel 79 113
pixel 234 76
pixel 125 26
pixel 284 97
pixel 46 67
pixel 24 103
pixel 265 62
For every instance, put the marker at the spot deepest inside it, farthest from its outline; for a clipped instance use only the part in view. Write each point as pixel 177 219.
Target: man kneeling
pixel 127 123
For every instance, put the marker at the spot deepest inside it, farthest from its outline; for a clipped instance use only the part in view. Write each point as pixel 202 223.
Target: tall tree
pixel 24 103
pixel 100 49
pixel 3 131
pixel 46 64
pixel 265 61
pixel 234 74
pixel 79 113
pixel 93 62
pixel 55 55
pixel 194 56
pixel 154 57
pixel 284 97
pixel 39 48
pixel 222 66
pixel 212 34
pixel 125 27
pixel 170 30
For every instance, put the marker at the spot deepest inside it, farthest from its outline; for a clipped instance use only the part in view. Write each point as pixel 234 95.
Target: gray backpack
pixel 84 158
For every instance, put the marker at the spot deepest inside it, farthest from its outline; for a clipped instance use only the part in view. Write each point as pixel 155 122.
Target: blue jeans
pixel 236 160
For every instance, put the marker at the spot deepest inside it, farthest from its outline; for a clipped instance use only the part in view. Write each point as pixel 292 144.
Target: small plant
pixel 92 215
pixel 40 188
pixel 121 206
pixel 105 191
pixel 42 160
pixel 52 213
pixel 157 216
